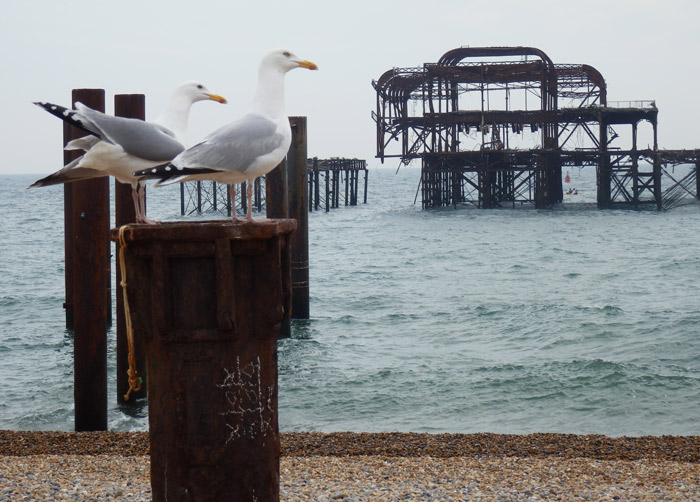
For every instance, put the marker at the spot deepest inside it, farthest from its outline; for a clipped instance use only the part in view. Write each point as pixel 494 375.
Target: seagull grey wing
pixel 139 138
pixel 234 147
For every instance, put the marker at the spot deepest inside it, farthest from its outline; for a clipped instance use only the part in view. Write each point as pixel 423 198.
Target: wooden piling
pixel 207 299
pixel 297 203
pixel 276 207
pixel 132 106
pixel 89 263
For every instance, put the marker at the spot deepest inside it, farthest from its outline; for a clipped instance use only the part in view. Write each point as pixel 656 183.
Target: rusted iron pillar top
pixel 205 230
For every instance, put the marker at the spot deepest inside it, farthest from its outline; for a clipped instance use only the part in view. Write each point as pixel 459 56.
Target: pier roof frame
pixel 415 105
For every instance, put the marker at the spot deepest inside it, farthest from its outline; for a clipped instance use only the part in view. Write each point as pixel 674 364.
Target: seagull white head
pixel 196 91
pixel 283 60
pixel 269 96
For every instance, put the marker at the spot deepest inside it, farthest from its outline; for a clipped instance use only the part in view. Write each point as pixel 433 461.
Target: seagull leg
pixel 249 216
pixel 249 202
pixel 135 198
pixel 232 193
pixel 139 196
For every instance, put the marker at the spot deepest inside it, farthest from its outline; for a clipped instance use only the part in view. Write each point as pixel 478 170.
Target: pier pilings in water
pixel 335 180
pixel 332 183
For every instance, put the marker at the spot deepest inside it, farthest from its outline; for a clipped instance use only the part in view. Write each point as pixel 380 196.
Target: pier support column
pixel 88 282
pixel 131 106
pixel 298 210
pixel 604 177
pixel 276 207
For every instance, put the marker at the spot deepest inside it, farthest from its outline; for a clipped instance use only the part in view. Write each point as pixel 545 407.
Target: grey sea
pixel 513 320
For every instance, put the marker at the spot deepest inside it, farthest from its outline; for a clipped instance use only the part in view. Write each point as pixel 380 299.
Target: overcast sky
pixel 645 50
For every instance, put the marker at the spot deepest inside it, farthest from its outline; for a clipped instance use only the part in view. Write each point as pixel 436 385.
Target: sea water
pixel 514 320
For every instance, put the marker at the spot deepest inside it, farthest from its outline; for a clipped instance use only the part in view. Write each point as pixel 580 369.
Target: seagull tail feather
pixel 68 174
pixel 167 174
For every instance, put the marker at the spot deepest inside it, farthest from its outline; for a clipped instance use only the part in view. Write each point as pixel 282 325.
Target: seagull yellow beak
pixel 217 98
pixel 308 65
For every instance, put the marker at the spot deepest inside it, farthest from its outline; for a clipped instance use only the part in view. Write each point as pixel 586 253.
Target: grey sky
pixel 644 49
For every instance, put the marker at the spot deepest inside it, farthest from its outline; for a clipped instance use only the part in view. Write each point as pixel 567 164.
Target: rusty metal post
pixel 347 183
pixel 365 194
pixel 90 265
pixel 316 184
pixel 296 172
pixel 604 174
pixel 328 190
pixel 132 106
pixel 207 299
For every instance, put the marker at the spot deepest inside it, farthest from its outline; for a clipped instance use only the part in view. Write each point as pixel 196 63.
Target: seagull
pixel 247 148
pixel 118 146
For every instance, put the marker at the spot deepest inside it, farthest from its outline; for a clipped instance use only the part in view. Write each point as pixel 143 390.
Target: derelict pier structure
pixel 494 126
pixel 330 182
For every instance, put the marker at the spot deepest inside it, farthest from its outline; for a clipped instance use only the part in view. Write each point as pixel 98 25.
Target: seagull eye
pixel 200 86
pixel 286 54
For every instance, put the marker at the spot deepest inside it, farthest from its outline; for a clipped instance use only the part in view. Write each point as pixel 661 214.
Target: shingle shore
pixel 106 466
pixel 391 444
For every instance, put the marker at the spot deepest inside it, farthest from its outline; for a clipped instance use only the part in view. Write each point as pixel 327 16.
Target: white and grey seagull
pixel 118 146
pixel 247 148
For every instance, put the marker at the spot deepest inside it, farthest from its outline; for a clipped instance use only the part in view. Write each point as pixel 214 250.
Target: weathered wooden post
pixel 207 299
pixel 87 279
pixel 296 173
pixel 132 106
pixel 276 207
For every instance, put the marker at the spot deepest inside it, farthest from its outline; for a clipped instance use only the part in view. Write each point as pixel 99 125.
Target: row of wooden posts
pixel 88 261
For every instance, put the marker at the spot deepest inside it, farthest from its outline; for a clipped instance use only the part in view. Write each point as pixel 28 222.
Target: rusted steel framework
pixel 210 196
pixel 330 183
pixel 334 180
pixel 494 126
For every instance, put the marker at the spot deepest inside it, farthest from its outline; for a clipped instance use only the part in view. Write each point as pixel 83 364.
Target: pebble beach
pixel 111 466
